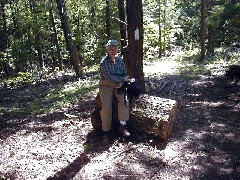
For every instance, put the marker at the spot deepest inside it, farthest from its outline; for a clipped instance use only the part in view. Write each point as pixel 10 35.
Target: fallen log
pixel 149 114
pixel 153 115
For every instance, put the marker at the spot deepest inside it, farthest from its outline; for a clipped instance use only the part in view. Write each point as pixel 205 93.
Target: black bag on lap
pixel 133 88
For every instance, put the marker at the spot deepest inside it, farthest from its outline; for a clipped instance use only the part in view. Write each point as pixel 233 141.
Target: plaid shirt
pixel 113 71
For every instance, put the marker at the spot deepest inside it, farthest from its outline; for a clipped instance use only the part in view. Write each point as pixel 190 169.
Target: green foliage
pixel 225 19
pixel 29 29
pixel 19 80
pixel 64 97
pixel 212 65
pixel 22 52
pixel 159 16
pixel 43 100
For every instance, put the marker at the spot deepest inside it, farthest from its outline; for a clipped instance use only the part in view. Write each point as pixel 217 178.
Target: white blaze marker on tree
pixel 136 34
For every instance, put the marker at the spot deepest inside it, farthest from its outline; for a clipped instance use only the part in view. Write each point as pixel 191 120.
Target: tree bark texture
pixel 202 30
pixel 210 43
pixel 122 25
pixel 4 38
pixel 58 62
pixel 159 30
pixel 150 114
pixel 108 20
pixel 74 57
pixel 38 35
pixel 134 54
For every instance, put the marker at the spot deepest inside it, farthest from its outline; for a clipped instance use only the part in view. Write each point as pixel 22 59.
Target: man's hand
pixel 127 79
pixel 119 85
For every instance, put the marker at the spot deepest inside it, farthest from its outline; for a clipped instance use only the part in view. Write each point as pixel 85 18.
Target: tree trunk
pixel 202 30
pixel 38 34
pixel 59 62
pixel 13 15
pixel 39 52
pixel 122 25
pixel 4 39
pixel 233 1
pixel 210 44
pixel 74 57
pixel 164 29
pixel 159 31
pixel 108 21
pixel 134 55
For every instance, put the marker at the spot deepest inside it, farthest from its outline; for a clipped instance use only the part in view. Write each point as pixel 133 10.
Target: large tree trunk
pixel 74 57
pixel 122 25
pixel 134 55
pixel 59 62
pixel 202 31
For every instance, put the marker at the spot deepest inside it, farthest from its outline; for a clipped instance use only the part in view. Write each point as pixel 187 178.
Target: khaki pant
pixel 106 95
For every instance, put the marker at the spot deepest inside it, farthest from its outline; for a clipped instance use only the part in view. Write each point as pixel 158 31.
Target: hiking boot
pixel 105 137
pixel 123 130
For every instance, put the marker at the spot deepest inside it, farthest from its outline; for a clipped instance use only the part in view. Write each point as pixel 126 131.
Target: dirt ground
pixel 205 143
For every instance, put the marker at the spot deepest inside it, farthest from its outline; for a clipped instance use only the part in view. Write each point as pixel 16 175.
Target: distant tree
pixel 108 20
pixel 74 56
pixel 37 33
pixel 159 30
pixel 210 30
pixel 4 40
pixel 122 25
pixel 202 31
pixel 57 60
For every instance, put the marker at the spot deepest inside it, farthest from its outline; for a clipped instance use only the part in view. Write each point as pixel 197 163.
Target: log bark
pixel 150 114
pixel 96 117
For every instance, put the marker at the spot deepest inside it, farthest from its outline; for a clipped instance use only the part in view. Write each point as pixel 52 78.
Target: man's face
pixel 112 50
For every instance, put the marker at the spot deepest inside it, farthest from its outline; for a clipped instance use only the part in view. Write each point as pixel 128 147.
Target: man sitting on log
pixel 113 74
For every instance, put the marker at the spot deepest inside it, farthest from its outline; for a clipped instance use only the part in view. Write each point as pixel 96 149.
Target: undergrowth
pixel 57 90
pixel 213 64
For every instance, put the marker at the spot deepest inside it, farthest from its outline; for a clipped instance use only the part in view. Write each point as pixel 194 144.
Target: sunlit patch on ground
pixel 36 155
pixel 163 67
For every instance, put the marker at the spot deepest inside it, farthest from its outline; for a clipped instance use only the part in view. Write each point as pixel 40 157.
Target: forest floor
pixel 61 144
